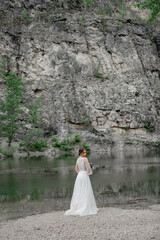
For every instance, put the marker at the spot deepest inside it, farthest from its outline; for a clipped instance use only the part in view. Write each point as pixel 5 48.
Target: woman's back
pixel 81 164
pixel 83 202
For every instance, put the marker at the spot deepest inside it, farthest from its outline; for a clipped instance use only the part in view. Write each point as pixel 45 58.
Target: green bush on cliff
pixel 149 127
pixel 26 15
pixel 85 146
pixel 67 144
pixel 96 71
pixel 87 3
pixel 33 141
pixel 153 6
pixel 37 144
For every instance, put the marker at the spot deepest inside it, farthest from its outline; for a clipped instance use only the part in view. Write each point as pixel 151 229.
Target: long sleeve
pixel 88 167
pixel 76 168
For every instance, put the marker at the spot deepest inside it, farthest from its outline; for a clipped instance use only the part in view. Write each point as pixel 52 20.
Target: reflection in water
pixel 121 180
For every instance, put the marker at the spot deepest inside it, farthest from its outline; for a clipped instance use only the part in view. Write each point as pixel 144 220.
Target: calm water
pixel 38 185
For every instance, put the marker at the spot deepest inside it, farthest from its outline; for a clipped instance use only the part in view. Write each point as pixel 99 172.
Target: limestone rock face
pixel 99 76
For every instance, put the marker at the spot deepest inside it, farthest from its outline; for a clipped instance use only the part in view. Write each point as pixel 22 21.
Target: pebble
pixel 109 223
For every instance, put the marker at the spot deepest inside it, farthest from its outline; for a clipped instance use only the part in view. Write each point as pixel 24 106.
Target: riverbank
pixel 109 223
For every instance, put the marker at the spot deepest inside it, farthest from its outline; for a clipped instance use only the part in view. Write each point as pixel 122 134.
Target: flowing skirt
pixel 83 201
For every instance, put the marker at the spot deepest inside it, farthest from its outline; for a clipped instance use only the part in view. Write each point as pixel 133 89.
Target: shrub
pixel 153 6
pixel 149 127
pixel 96 72
pixel 86 147
pixel 87 3
pixel 67 144
pixel 85 121
pixel 8 152
pixel 38 145
pixel 25 15
pixel 76 139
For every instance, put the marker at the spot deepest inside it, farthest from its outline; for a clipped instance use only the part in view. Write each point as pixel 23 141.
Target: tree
pixel 34 140
pixel 153 6
pixel 10 106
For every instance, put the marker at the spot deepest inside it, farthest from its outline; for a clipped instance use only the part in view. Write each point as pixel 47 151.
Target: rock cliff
pixel 99 75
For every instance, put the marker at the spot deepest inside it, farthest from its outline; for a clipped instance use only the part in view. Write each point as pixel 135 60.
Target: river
pixel 37 185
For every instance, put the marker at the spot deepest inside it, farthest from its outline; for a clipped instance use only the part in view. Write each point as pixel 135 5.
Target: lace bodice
pixel 82 166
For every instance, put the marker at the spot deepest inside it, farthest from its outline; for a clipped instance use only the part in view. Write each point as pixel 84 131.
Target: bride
pixel 83 201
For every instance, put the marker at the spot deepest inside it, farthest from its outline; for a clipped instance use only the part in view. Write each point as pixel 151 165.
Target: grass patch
pixel 149 127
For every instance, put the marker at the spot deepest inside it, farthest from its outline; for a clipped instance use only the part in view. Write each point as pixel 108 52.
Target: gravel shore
pixel 109 224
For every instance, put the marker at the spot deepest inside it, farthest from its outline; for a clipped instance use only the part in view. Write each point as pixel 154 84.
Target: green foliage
pixel 87 3
pixel 107 10
pixel 67 144
pixel 34 144
pixel 153 144
pixel 120 23
pixel 76 139
pixel 123 10
pixel 37 14
pixel 60 2
pixel 25 15
pixel 156 144
pixel 153 6
pixel 34 139
pixel 85 121
pixel 149 127
pixel 139 19
pixel 85 146
pixel 99 75
pixel 10 106
pixel 49 19
pixel 35 194
pixel 96 72
pixel 81 22
pixel 76 65
pixel 127 128
pixel 8 152
pixel 64 145
pixel 13 195
pixel 151 169
pixel 10 110
pixel 35 112
pixel 101 11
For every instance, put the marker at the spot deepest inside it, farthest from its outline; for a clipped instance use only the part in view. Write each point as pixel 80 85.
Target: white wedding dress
pixel 83 201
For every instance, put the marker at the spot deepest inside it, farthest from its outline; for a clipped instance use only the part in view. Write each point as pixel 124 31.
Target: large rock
pixel 99 76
